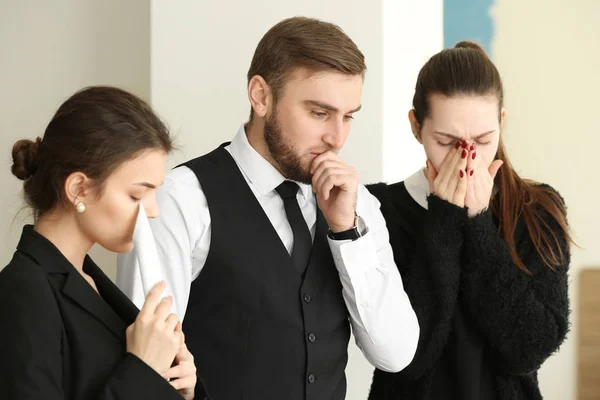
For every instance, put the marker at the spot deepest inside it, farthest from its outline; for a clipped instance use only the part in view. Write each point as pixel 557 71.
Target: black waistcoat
pixel 257 328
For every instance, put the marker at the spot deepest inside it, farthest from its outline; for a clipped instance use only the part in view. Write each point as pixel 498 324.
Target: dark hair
pixel 467 70
pixel 462 70
pixel 304 42
pixel 93 132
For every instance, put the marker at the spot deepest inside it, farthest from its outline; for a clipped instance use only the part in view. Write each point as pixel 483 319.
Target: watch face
pixel 360 225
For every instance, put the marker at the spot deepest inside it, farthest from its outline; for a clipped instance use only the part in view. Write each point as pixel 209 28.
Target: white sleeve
pixel 383 321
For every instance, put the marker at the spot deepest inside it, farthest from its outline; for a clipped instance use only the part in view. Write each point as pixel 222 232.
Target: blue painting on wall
pixel 468 20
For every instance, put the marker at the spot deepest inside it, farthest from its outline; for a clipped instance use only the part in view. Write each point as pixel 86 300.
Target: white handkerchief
pixel 145 249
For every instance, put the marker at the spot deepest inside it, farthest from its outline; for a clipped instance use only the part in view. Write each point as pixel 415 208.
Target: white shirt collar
pixel 261 173
pixel 417 187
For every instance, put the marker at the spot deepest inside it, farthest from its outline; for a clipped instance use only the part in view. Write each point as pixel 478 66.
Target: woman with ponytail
pixel 483 253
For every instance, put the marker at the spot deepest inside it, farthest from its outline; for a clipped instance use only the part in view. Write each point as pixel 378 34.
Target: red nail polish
pixel 462 174
pixel 471 173
pixel 473 156
pixel 472 147
pixel 464 144
pixel 464 154
pixel 457 145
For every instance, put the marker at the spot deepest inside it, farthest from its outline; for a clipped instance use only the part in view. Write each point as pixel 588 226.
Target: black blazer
pixel 60 340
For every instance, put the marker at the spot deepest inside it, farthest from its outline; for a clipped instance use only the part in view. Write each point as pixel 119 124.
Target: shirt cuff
pixel 352 257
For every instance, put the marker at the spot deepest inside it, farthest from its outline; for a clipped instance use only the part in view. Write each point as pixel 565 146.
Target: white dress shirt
pixel 384 324
pixel 417 186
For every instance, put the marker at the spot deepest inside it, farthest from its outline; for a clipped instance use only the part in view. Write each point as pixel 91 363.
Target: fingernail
pixel 471 173
pixel 464 154
pixel 472 147
pixel 474 154
pixel 462 174
pixel 457 145
pixel 464 144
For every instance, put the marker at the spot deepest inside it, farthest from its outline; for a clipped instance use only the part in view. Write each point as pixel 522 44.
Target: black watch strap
pixel 350 234
pixel 353 233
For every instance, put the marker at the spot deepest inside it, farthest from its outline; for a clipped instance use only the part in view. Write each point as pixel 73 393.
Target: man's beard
pixel 283 152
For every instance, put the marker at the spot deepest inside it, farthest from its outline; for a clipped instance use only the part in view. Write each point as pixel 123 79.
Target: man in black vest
pixel 271 247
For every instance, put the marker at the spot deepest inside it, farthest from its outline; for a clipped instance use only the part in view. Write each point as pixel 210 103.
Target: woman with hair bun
pixel 69 332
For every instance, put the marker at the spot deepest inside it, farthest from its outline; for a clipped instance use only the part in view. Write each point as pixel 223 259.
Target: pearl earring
pixel 80 207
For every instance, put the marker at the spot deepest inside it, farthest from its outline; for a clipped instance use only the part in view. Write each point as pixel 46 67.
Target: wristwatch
pixel 358 230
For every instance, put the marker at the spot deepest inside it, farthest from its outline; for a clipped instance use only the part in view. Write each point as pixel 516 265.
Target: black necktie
pixel 302 238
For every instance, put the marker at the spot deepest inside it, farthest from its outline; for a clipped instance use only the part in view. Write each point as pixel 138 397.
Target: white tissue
pixel 147 256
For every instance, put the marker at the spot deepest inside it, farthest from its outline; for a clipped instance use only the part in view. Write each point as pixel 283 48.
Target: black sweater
pixel 455 266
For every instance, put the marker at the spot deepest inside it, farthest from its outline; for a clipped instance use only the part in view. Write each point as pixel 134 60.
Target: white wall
pixel 48 51
pixel 412 33
pixel 548 54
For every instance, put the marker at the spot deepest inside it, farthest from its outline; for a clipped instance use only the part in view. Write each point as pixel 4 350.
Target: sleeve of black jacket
pixel 524 318
pixel 430 274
